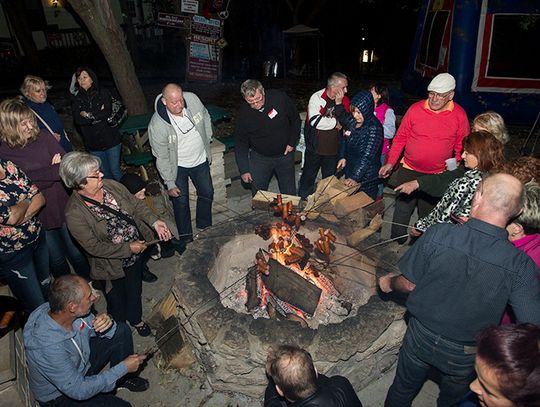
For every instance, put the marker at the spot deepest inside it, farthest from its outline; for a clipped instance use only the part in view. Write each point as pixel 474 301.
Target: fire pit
pixel 350 331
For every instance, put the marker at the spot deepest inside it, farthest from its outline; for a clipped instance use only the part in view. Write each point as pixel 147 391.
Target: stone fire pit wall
pixel 232 347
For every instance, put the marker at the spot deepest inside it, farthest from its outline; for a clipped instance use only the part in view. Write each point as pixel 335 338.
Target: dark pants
pixel 423 349
pixel 27 273
pixel 110 162
pixel 262 168
pixel 102 351
pixel 312 163
pixel 405 204
pixel 200 176
pixel 61 244
pixel 124 299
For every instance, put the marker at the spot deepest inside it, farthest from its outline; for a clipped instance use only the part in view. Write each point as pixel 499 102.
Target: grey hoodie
pixel 59 359
pixel 164 141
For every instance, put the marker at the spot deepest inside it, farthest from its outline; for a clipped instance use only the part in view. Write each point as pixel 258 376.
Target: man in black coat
pixel 266 134
pixel 294 382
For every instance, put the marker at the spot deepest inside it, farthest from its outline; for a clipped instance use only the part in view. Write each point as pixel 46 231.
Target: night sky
pixel 254 32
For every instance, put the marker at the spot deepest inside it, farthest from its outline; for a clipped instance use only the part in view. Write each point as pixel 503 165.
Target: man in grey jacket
pixel 180 133
pixel 67 347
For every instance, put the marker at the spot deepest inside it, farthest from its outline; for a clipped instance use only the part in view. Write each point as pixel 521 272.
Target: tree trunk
pixel 131 37
pixel 16 15
pixel 99 18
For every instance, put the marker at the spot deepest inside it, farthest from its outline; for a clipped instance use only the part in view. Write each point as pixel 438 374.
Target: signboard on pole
pixel 174 21
pixel 190 6
pixel 204 54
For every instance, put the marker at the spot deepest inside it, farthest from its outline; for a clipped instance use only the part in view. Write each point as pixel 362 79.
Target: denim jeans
pixel 262 168
pixel 312 163
pixel 110 162
pixel 423 349
pixel 102 351
pixel 200 176
pixel 27 273
pixel 61 244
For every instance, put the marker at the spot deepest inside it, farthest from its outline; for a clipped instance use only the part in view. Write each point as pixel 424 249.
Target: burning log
pixel 253 300
pixel 292 288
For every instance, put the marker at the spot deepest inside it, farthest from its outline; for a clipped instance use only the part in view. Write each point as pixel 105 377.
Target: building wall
pixel 57 17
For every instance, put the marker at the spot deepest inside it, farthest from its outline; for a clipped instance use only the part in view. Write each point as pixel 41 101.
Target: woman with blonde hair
pixel 493 123
pixel 38 154
pixel 34 89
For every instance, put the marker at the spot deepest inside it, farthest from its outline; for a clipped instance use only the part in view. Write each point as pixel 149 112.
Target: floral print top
pixel 15 187
pixel 118 230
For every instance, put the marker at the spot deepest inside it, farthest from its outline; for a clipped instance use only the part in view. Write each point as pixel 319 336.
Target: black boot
pixel 147 275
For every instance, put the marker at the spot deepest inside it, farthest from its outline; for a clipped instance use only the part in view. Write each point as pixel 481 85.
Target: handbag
pixel 118 112
pixel 310 133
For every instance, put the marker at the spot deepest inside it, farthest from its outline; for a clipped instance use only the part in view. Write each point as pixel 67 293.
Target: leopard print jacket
pixel 456 200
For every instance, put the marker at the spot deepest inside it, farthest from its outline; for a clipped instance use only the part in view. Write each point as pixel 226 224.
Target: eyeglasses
pixel 435 95
pixel 100 175
pixel 185 126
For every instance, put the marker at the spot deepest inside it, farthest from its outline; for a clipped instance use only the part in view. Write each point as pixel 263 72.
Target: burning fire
pixel 293 250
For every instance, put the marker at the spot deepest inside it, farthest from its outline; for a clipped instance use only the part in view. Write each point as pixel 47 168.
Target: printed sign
pixel 204 54
pixel 190 6
pixel 173 20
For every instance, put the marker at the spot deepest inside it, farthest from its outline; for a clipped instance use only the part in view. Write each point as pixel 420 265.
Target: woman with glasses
pixel 38 154
pixel 482 152
pixel 34 90
pixel 114 228
pixel 91 107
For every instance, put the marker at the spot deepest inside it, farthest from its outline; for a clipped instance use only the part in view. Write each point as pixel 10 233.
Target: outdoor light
pixel 365 55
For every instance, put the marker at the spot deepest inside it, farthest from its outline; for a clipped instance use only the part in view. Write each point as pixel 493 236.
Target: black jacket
pixel 335 391
pixel 267 132
pixel 96 133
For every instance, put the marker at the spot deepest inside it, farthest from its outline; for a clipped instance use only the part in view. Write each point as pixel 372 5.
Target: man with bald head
pixel 460 279
pixel 180 133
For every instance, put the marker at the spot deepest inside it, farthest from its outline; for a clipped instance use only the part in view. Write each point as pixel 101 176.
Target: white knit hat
pixel 442 83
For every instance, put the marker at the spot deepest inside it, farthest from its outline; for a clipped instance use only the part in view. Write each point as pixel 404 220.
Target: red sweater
pixel 429 138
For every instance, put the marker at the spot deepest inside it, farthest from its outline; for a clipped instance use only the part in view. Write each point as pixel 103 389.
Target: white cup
pixel 451 164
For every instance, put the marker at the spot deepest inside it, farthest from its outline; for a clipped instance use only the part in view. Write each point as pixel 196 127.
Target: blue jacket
pixel 361 146
pixel 58 359
pixel 47 114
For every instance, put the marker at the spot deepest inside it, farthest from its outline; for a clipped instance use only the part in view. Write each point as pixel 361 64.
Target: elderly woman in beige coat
pixel 114 228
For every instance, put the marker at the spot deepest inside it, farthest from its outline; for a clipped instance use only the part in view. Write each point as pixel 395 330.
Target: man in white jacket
pixel 322 142
pixel 180 133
